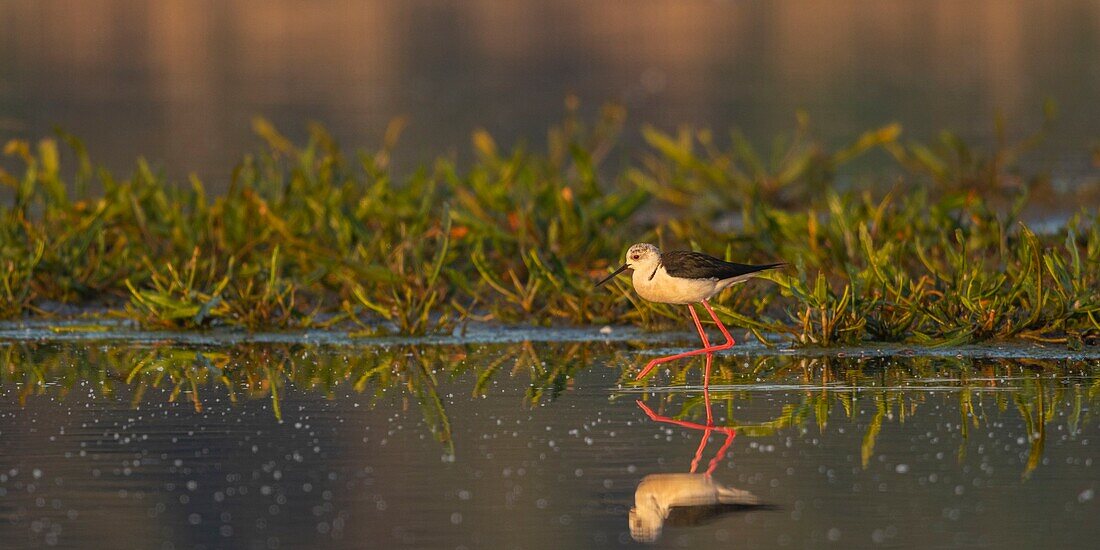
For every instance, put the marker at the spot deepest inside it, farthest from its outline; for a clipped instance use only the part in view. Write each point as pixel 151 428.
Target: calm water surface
pixel 538 445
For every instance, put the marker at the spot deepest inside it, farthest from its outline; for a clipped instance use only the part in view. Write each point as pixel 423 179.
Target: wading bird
pixel 685 277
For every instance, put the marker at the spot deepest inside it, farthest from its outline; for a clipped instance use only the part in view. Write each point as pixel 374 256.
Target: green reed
pixel 304 235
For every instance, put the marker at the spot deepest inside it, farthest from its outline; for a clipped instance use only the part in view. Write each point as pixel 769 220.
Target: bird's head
pixel 643 256
pixel 646 524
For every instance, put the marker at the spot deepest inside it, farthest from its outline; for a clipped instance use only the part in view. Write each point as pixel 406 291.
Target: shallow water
pixel 537 445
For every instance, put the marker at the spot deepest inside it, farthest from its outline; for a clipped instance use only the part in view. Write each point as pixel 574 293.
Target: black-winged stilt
pixel 685 277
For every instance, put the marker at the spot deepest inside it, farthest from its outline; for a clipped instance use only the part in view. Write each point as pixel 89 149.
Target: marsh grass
pixel 305 236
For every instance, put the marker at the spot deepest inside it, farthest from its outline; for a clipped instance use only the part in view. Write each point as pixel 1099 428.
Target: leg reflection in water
pixel 691 498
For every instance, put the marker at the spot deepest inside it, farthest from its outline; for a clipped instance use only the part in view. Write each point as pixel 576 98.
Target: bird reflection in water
pixel 686 499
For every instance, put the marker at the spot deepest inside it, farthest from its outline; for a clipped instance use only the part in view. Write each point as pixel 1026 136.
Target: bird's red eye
pixel 635 257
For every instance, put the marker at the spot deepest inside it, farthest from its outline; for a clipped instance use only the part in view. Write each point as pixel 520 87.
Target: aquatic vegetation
pixel 304 235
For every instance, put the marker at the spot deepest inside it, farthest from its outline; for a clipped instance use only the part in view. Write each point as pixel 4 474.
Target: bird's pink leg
pixel 706 383
pixel 730 434
pixel 699 451
pixel 710 421
pixel 707 429
pixel 706 394
pixel 699 326
pixel 729 339
pixel 706 349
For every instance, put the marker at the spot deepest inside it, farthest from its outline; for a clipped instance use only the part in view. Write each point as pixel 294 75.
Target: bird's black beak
pixel 612 276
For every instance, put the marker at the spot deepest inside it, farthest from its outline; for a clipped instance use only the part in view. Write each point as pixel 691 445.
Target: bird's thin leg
pixel 708 430
pixel 699 451
pixel 708 349
pixel 730 434
pixel 706 394
pixel 710 422
pixel 729 339
pixel 650 365
pixel 702 334
pixel 706 384
pixel 699 326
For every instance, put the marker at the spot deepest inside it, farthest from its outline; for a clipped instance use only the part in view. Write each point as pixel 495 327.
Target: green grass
pixel 305 235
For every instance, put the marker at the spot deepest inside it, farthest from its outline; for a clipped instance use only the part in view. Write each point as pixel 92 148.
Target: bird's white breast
pixel 667 490
pixel 661 287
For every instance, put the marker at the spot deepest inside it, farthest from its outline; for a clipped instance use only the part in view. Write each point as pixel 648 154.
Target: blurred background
pixel 178 81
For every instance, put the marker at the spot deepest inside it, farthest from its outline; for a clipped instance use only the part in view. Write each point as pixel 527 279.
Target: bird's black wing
pixel 695 265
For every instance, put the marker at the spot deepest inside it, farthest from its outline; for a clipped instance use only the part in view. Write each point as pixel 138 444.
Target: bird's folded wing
pixel 695 265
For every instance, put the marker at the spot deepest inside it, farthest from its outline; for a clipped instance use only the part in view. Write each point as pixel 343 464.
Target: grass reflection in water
pixel 814 391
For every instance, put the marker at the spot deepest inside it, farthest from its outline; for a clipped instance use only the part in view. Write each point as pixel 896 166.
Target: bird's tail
pixel 766 267
pixel 754 270
pixel 729 495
